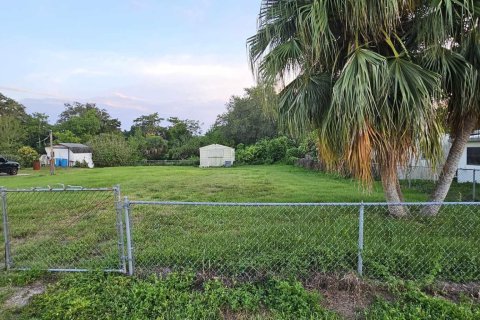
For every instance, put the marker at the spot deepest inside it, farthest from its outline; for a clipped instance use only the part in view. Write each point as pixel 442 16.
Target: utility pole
pixel 52 155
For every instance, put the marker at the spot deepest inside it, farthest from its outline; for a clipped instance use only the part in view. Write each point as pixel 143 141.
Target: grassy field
pixel 270 183
pixel 78 230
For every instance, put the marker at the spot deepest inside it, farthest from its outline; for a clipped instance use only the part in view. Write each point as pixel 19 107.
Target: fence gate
pixel 65 229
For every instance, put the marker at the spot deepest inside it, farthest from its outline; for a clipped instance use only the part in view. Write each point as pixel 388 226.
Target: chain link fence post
pixel 126 208
pixel 121 240
pixel 360 239
pixel 474 182
pixel 5 229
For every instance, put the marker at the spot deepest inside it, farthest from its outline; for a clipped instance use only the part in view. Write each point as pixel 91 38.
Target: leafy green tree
pixel 190 149
pixel 83 126
pixel 65 136
pixel 79 110
pixel 12 134
pixel 180 131
pixel 245 120
pixel 345 68
pixel 149 125
pixel 11 108
pixel 137 143
pixel 155 148
pixel 37 130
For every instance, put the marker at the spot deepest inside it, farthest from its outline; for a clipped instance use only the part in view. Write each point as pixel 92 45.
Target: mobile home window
pixel 473 156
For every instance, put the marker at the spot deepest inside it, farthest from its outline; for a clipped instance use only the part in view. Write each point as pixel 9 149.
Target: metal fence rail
pixel 64 229
pixel 78 229
pixel 464 186
pixel 253 240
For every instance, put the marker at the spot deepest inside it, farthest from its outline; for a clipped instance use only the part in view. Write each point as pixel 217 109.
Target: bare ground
pixel 22 295
pixel 347 294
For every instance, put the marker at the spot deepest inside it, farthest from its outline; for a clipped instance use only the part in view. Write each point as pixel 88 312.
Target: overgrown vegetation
pixel 287 243
pixel 177 296
pixel 415 304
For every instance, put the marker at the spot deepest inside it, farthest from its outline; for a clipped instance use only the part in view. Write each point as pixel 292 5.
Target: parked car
pixel 10 167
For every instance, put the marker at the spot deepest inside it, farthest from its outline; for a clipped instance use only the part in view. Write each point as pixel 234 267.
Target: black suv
pixel 10 167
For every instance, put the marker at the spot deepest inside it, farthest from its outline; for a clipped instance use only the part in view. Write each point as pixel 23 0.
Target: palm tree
pixel 455 54
pixel 344 68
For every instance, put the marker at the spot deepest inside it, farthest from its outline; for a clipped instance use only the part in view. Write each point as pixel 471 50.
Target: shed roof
pixel 76 147
pixel 215 146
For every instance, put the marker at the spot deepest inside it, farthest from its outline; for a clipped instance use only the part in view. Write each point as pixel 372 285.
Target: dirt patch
pixel 454 291
pixel 348 294
pixel 21 296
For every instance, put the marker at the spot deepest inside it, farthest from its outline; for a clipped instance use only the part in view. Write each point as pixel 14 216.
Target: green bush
pixel 111 150
pixel 27 155
pixel 82 164
pixel 265 151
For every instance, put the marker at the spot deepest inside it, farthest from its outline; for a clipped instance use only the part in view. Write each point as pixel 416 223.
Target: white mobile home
pixel 216 155
pixel 67 154
pixel 469 164
pixel 468 168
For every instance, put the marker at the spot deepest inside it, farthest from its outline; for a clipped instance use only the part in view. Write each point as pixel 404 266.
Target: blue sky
pixel 131 57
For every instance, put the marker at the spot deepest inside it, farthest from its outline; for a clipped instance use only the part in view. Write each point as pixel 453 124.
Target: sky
pixel 131 57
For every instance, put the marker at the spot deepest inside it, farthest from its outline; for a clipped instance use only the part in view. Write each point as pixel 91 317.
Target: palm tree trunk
pixel 451 164
pixel 391 189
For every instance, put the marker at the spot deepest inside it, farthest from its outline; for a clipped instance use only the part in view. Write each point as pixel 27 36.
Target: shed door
pixel 215 157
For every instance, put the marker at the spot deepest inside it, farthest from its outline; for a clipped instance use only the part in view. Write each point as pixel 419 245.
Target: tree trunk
pixel 451 164
pixel 391 189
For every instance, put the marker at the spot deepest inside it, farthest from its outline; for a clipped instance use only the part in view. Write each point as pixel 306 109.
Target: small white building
pixel 216 155
pixel 67 154
pixel 421 169
pixel 469 165
pixel 468 168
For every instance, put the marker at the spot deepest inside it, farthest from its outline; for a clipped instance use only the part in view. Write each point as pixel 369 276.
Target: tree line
pixel 244 124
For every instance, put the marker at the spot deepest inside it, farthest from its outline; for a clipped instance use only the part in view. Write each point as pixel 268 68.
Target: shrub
pixel 82 164
pixel 27 155
pixel 265 151
pixel 111 150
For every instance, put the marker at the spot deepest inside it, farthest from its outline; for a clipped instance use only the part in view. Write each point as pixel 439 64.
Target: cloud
pixel 193 87
pixel 194 11
pixel 31 92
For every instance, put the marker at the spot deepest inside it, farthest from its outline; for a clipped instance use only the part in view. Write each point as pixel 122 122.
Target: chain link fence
pixel 66 229
pixel 76 229
pixel 422 178
pixel 254 240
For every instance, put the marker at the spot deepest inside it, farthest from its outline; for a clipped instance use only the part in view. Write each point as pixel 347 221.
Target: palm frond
pixel 303 102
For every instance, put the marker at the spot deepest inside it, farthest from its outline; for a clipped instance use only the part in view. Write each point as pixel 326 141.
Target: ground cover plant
pixel 415 304
pixel 248 244
pixel 177 296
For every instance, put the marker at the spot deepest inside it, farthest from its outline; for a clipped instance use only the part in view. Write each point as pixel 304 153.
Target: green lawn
pixel 269 183
pixel 78 230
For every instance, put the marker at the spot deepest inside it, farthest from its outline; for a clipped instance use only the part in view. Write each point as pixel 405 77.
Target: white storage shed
pixel 67 154
pixel 216 155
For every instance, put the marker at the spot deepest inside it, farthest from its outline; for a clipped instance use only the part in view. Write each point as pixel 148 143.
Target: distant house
pixel 469 164
pixel 68 154
pixel 468 168
pixel 216 155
